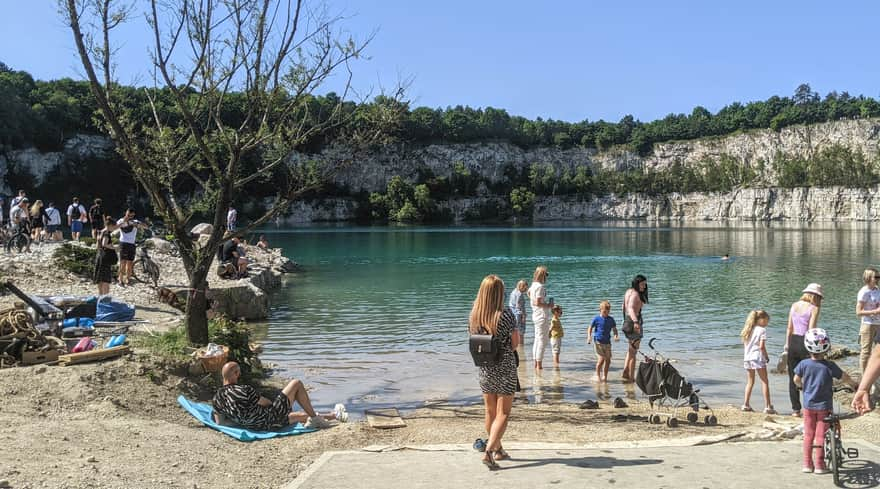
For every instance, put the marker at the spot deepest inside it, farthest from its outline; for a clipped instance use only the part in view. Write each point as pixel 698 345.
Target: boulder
pixel 202 228
pixel 160 245
pixel 241 299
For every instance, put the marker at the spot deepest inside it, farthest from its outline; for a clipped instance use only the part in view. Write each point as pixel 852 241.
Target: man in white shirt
pixel 76 216
pixel 15 200
pixel 128 227
pixel 231 218
pixel 53 227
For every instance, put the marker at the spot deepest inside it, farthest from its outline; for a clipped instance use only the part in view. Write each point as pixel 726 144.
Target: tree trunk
pixel 196 316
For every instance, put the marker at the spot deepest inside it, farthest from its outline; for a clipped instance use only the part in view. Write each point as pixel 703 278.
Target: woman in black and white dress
pixel 497 381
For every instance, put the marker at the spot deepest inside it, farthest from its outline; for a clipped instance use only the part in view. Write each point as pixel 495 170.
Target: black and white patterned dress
pixel 240 404
pixel 501 378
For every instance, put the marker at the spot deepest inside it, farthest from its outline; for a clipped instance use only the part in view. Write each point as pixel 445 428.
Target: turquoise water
pixel 378 317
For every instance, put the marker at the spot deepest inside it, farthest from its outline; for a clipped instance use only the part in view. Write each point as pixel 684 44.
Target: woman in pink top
pixel 635 298
pixel 803 316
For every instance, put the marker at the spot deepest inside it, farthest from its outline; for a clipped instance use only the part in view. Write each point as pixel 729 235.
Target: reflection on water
pixel 379 316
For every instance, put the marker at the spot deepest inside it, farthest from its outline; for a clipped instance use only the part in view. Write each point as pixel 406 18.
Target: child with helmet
pixel 815 376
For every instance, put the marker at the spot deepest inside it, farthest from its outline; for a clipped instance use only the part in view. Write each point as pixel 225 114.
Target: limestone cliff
pixel 494 163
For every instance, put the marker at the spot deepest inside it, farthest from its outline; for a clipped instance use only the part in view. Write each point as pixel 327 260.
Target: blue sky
pixel 569 60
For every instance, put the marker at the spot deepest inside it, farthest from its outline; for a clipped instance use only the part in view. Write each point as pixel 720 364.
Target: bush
pixel 222 331
pixel 76 259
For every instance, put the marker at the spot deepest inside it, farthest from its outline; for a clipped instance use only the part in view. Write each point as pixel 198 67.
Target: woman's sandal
pixel 501 454
pixel 489 461
pixel 747 409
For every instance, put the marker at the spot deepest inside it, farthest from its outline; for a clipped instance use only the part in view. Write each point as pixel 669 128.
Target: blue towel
pixel 204 413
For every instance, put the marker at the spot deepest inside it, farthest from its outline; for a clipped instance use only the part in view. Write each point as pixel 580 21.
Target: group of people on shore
pixel 499 381
pixel 43 222
pixel 811 375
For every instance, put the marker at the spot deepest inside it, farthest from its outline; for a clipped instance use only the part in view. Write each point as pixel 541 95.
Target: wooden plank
pixel 384 419
pixel 94 355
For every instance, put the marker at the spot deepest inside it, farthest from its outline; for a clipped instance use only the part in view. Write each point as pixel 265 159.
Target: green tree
pixel 522 201
pixel 202 53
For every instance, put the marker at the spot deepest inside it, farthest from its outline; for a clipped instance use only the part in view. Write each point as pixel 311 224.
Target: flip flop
pixel 747 409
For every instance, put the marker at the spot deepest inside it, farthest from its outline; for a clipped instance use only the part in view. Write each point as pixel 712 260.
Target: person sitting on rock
pixel 230 253
pixel 241 405
pixel 262 243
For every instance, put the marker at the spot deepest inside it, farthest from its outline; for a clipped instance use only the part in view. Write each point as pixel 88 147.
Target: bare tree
pixel 259 60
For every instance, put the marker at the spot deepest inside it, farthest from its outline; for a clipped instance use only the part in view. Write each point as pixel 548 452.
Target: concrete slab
pixel 723 465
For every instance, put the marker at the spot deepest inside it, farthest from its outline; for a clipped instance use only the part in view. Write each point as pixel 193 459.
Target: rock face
pixel 41 165
pixel 767 204
pixel 493 161
pixel 497 162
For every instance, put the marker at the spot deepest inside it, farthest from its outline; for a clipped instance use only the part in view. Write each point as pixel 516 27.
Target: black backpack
pixel 74 212
pixel 485 348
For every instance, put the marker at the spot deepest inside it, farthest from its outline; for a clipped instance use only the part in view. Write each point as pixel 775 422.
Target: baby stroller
pixel 663 385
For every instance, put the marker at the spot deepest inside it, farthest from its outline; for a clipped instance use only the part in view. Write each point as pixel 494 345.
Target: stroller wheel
pixel 654 419
pixel 672 422
pixel 692 418
pixel 711 420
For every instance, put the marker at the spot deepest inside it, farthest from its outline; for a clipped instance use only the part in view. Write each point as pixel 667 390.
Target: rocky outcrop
pixel 766 204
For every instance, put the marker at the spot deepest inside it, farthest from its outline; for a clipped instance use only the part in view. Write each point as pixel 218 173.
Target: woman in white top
pixel 868 310
pixel 540 315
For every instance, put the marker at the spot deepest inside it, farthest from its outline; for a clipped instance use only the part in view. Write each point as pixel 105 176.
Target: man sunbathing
pixel 242 406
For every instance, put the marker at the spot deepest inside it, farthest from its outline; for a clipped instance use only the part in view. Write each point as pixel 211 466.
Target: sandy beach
pixel 117 424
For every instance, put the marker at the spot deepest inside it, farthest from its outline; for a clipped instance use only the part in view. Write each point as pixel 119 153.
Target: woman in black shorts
pixel 105 258
pixel 37 215
pixel 633 301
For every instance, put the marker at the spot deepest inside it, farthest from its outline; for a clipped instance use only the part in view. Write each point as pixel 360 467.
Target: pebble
pixel 4 484
pixel 92 459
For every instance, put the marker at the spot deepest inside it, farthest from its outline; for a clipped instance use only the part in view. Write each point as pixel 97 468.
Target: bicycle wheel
pixel 138 271
pixel 832 454
pixel 18 242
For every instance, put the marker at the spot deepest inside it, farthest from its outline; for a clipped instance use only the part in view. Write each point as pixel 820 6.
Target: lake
pixel 378 317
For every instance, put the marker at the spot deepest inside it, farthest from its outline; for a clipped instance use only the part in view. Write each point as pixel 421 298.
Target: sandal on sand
pixel 489 461
pixel 589 404
pixel 796 414
pixel 501 454
pixel 770 410
pixel 747 409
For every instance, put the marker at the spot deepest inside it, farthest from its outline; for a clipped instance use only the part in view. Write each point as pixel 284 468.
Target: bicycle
pixel 144 268
pixel 834 450
pixel 20 239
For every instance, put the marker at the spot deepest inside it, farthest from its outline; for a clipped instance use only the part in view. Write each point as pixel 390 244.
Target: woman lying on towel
pixel 241 405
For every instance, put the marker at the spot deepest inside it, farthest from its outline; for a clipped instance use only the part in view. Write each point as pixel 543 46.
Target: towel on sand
pixel 204 413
